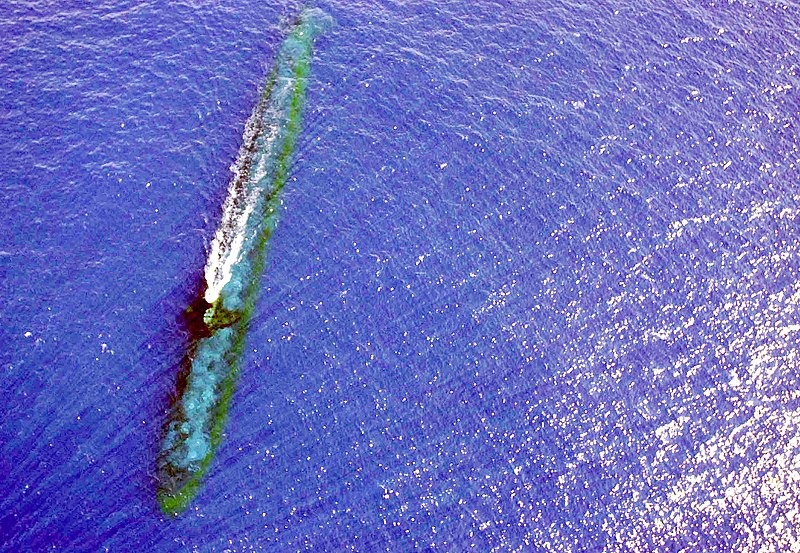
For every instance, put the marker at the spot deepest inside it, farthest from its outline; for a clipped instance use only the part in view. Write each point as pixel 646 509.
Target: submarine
pixel 195 424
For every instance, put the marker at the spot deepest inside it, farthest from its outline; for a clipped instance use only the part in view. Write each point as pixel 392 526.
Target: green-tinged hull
pixel 198 416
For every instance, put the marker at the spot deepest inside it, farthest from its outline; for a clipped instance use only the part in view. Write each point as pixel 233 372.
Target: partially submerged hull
pixel 233 272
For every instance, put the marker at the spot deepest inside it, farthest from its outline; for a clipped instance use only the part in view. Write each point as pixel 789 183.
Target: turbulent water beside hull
pixel 233 271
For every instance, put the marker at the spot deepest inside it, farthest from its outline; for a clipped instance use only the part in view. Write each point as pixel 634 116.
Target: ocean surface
pixel 535 284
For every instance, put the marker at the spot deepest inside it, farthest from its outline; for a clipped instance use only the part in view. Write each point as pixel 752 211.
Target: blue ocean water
pixel 534 286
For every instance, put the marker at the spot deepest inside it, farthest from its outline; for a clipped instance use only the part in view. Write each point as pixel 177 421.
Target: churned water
pixel 534 286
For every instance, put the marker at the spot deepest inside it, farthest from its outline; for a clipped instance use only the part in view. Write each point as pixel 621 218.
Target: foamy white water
pixel 244 193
